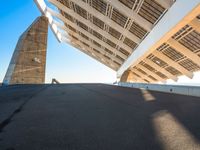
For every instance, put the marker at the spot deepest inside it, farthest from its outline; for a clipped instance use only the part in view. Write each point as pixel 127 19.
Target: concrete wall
pixel 177 89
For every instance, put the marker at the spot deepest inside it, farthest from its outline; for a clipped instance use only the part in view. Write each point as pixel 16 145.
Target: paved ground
pixel 96 117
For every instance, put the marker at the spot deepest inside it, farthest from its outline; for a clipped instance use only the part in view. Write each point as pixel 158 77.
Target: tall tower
pixel 28 62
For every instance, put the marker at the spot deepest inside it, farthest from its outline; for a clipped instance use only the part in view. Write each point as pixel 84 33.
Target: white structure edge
pixel 44 10
pixel 175 89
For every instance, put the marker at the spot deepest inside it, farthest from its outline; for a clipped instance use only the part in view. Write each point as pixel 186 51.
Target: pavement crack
pixel 112 98
pixel 4 123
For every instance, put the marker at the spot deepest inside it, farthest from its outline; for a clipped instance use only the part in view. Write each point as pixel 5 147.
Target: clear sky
pixel 64 62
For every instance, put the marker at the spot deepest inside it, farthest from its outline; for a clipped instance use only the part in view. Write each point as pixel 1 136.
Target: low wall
pixel 177 89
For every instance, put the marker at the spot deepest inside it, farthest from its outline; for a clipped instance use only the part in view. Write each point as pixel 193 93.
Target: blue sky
pixel 64 62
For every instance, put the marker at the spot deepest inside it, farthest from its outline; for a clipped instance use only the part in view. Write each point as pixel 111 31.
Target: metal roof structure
pixel 114 32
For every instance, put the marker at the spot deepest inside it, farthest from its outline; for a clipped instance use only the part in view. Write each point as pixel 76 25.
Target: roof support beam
pixel 139 79
pixel 165 3
pixel 97 54
pixel 42 6
pixel 165 72
pixel 81 19
pixel 174 64
pixel 136 79
pixel 86 33
pixel 143 76
pixel 98 15
pixel 195 24
pixel 182 49
pixel 106 64
pixel 153 74
pixel 100 49
pixel 182 12
pixel 133 15
pixel 93 56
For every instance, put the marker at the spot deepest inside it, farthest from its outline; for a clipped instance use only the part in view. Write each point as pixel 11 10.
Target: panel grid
pixel 114 33
pixel 108 51
pixel 159 62
pixel 84 36
pixel 162 47
pixel 98 22
pixel 120 58
pixel 96 43
pixel 135 74
pixel 82 25
pixel 130 43
pixel 189 65
pixel 119 18
pixel 75 37
pixel 108 58
pixel 154 70
pixel 182 32
pixel 151 10
pixel 149 67
pixel 96 50
pixel 99 5
pixel 124 52
pixel 151 77
pixel 85 43
pixel 109 42
pixel 129 3
pixel 146 80
pixel 161 75
pixel 192 41
pixel 79 10
pixel 95 24
pixel 65 2
pixel 67 16
pixel 96 34
pixel 173 71
pixel 173 54
pixel 117 63
pixel 71 28
pixel 141 71
pixel 137 30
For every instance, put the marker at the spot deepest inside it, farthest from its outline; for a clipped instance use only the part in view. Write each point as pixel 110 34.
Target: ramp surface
pixel 96 117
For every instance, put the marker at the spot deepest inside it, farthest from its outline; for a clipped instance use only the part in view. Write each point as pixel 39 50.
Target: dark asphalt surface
pixel 96 117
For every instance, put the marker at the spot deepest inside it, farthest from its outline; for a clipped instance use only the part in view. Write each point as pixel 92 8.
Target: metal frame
pixel 121 33
pixel 171 34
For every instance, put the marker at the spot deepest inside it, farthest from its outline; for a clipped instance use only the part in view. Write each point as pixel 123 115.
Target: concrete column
pixel 28 62
pixel 127 76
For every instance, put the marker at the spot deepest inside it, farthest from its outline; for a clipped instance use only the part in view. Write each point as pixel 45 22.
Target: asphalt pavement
pixel 96 117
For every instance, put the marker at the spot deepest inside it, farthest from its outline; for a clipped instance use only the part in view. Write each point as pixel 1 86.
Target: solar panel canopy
pixel 111 31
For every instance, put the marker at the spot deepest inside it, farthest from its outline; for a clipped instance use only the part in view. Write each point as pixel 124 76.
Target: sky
pixel 65 63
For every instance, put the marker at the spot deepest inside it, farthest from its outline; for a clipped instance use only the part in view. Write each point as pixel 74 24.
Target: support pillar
pixel 127 76
pixel 28 62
